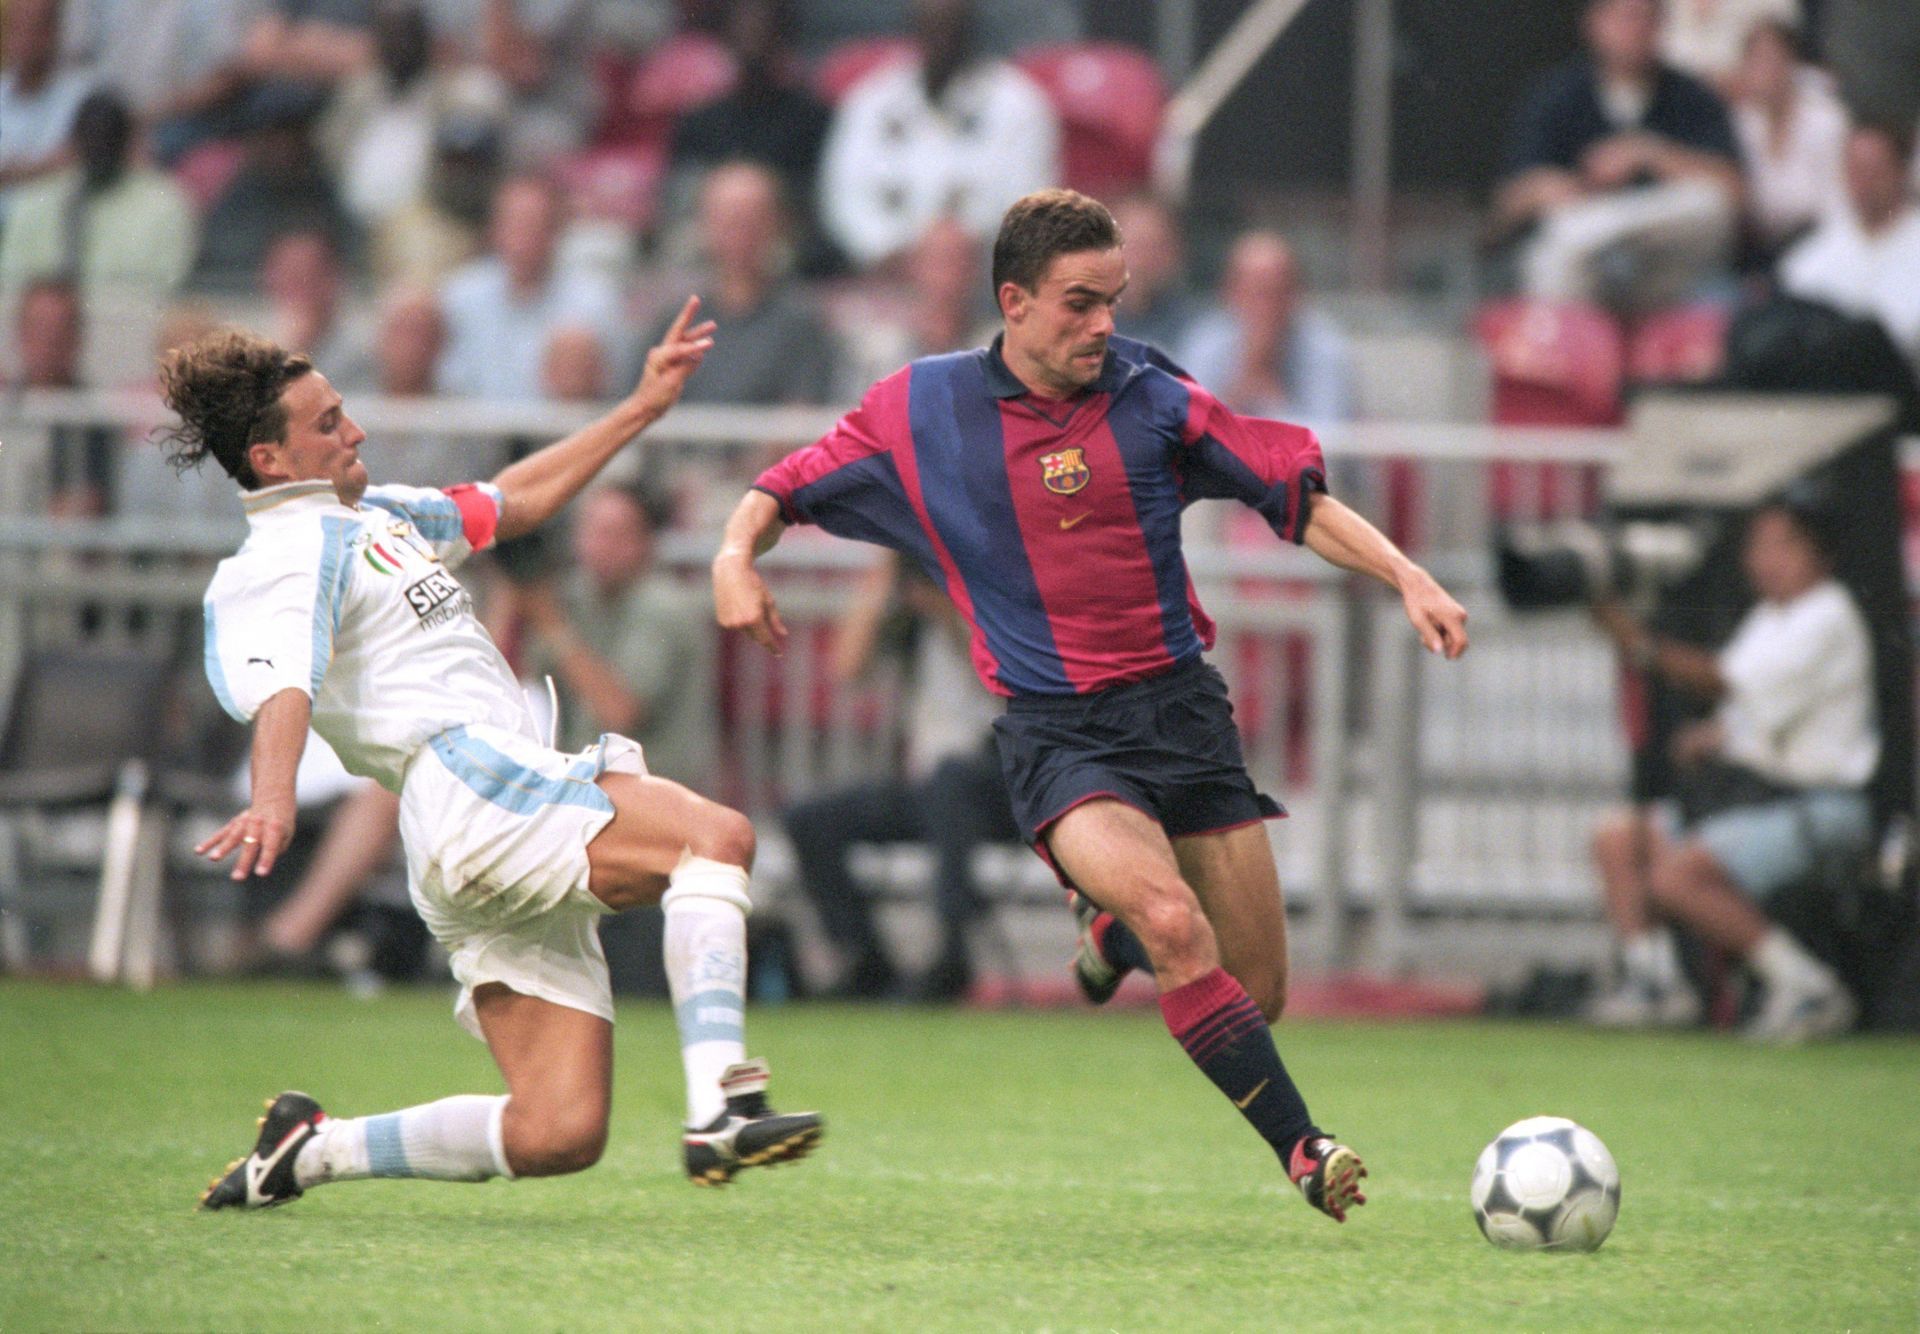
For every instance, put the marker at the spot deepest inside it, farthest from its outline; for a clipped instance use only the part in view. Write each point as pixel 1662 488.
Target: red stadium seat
pixel 1680 346
pixel 852 61
pixel 1554 364
pixel 1110 98
pixel 687 70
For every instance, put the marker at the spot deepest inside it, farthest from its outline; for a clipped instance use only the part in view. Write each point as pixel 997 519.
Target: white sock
pixel 455 1139
pixel 1783 962
pixel 1652 959
pixel 706 952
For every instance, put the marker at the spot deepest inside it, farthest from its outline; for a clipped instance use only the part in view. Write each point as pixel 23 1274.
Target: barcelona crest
pixel 1065 472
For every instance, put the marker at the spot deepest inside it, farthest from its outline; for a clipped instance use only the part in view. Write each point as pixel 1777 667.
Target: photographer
pixel 1772 791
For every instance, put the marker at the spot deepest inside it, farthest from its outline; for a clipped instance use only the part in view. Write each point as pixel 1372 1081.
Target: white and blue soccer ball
pixel 1546 1183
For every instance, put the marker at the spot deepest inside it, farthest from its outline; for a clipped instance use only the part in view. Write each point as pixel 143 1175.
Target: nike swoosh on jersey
pixel 1246 1102
pixel 1069 523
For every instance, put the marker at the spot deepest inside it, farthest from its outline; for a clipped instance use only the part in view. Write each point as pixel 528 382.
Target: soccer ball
pixel 1546 1184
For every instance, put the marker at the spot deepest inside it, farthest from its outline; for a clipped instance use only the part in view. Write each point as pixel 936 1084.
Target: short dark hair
pixel 1810 507
pixel 1044 224
pixel 226 388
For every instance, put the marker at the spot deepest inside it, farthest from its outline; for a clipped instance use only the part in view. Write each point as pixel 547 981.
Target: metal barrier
pixel 1420 788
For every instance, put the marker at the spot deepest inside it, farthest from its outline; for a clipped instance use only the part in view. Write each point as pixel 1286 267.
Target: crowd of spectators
pixel 504 200
pixel 527 185
pixel 1694 155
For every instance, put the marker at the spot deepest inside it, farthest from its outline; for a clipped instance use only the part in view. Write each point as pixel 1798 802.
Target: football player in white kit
pixel 340 611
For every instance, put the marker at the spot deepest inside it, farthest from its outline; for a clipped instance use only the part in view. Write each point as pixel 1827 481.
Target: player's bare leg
pixel 558 1067
pixel 558 1064
pixel 1233 875
pixel 663 844
pixel 1122 860
pixel 1803 997
pixel 669 845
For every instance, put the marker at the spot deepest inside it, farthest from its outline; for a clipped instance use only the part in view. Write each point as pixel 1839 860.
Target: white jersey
pixel 357 608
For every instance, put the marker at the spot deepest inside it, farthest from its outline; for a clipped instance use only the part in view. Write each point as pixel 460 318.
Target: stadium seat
pixel 852 61
pixel 688 70
pixel 80 731
pixel 77 717
pixel 1685 345
pixel 1554 364
pixel 1110 98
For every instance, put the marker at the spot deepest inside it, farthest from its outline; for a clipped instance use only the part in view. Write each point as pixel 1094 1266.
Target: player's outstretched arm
pixel 1341 536
pixel 262 831
pixel 534 489
pixel 741 599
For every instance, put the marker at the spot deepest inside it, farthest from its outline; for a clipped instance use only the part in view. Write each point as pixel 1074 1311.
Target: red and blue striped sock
pixel 1225 1034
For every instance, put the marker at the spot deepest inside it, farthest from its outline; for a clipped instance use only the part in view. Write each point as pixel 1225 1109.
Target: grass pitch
pixel 1063 1171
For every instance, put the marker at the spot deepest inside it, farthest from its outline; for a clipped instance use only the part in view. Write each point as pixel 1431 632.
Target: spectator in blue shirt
pixel 1269 354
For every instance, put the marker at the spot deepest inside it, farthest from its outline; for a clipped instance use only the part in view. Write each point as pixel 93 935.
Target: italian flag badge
pixel 381 559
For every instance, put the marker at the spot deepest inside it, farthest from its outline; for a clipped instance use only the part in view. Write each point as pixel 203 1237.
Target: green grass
pixel 983 1171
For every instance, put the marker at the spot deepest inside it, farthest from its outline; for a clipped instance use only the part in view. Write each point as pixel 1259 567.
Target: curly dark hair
pixel 1044 224
pixel 226 388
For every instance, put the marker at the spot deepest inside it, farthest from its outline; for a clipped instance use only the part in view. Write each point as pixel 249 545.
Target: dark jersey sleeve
pixel 847 481
pixel 1274 467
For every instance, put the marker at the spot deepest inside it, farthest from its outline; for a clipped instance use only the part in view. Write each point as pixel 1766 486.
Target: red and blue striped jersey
pixel 1054 525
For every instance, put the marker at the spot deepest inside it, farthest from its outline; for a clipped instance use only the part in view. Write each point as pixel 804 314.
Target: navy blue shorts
pixel 1166 746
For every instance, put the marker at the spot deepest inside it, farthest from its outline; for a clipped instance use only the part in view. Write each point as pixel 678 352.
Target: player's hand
pixel 672 360
pixel 1440 622
pixel 742 601
pixel 261 833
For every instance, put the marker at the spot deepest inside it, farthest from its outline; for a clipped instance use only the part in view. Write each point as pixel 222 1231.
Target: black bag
pixel 1790 344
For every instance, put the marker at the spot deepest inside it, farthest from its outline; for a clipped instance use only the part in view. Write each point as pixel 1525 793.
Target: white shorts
pixel 496 828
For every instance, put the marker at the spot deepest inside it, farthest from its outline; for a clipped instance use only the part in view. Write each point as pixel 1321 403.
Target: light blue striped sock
pixel 706 957
pixel 454 1139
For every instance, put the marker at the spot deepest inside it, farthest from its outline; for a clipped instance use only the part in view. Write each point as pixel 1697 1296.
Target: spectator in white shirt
pixel 1793 135
pixel 1706 38
pixel 1793 742
pixel 947 134
pixel 1864 258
